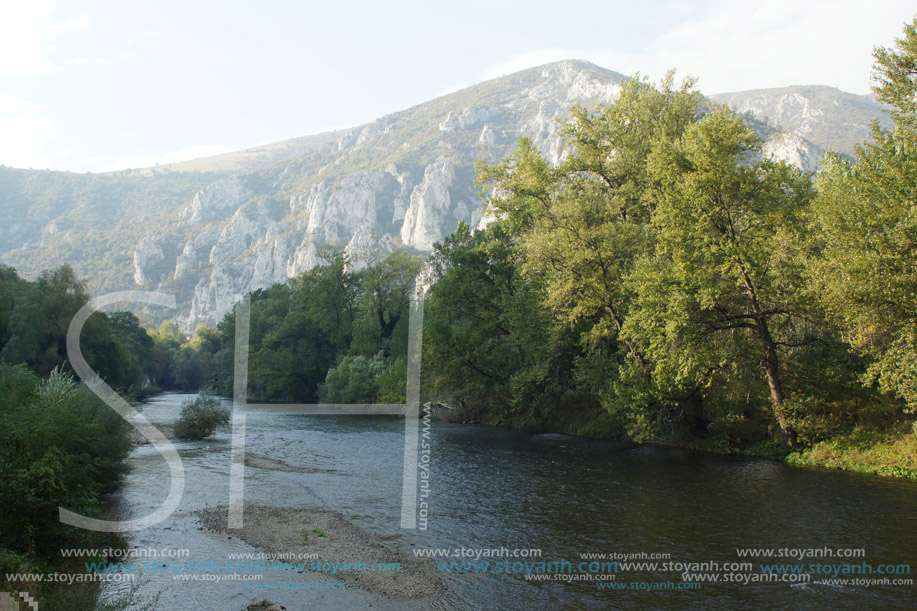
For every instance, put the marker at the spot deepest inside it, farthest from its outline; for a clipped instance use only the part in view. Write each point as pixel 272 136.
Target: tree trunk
pixel 771 363
pixel 771 369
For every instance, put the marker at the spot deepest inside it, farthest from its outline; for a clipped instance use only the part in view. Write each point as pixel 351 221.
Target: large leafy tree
pixel 581 226
pixel 865 216
pixel 488 341
pixel 39 321
pixel 381 315
pixel 719 297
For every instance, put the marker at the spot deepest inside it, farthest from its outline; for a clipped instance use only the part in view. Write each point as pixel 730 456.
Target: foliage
pixel 891 454
pixel 201 417
pixel 865 215
pixel 719 297
pixel 60 446
pixel 895 78
pixel 307 335
pixel 488 340
pixel 35 318
pixel 354 380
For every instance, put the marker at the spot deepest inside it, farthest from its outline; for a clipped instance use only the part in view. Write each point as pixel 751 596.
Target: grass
pixel 304 536
pixel 891 454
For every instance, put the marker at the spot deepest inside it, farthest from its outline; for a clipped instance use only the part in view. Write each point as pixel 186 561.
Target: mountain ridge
pixel 209 234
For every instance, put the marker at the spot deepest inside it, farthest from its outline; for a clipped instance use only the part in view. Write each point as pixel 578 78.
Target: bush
pixel 201 417
pixel 353 381
pixel 60 446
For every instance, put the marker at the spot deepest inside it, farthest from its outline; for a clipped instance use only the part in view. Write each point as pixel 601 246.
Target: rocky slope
pixel 214 229
pixel 826 117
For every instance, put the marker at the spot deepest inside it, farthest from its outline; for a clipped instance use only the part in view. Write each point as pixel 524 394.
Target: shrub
pixel 60 446
pixel 353 381
pixel 201 417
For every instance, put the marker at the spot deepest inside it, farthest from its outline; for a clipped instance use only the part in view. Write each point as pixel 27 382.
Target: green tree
pixel 582 225
pixel 720 298
pixel 60 446
pixel 864 268
pixel 354 380
pixel 39 322
pixel 383 309
pixel 138 362
pixel 579 228
pixel 488 341
pixel 11 289
pixel 201 417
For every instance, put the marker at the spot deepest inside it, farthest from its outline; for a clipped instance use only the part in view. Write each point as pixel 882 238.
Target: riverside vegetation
pixel 60 445
pixel 664 284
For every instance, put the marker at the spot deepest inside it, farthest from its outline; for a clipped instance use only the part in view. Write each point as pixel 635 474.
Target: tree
pixel 722 295
pixel 384 305
pixel 895 78
pixel 584 223
pixel 488 341
pixel 138 366
pixel 579 228
pixel 201 417
pixel 354 380
pixel 39 322
pixel 863 269
pixel 60 446
pixel 11 289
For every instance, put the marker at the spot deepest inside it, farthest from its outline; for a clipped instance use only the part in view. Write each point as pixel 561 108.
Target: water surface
pixel 493 488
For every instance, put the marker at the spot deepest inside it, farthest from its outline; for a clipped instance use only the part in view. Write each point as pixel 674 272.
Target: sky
pixel 102 85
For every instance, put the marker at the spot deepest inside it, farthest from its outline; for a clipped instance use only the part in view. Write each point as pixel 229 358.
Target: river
pixel 565 496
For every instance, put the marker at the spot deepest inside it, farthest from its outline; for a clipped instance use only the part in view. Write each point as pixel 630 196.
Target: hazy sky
pixel 99 85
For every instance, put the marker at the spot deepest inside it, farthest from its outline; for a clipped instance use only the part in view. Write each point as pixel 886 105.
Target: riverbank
pixel 889 452
pixel 330 546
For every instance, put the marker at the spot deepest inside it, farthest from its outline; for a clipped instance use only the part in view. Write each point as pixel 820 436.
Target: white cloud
pixel 744 45
pixel 24 132
pixel 26 28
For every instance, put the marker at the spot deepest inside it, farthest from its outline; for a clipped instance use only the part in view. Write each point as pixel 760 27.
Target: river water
pixel 492 488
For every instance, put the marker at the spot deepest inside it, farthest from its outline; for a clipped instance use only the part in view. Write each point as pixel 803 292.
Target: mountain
pixel 211 230
pixel 829 118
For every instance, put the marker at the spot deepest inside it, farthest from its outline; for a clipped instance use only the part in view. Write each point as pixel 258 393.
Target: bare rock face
pixel 794 150
pixel 247 226
pixel 827 117
pixel 147 256
pixel 213 201
pixel 216 294
pixel 430 203
pixel 487 137
pixel 468 118
pixel 196 251
pixel 270 265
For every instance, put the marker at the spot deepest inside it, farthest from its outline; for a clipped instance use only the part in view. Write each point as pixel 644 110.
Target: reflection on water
pixel 494 488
